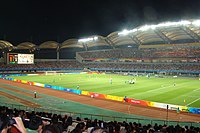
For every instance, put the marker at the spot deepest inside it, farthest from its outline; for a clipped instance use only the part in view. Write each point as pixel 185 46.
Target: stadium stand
pixel 47 122
pixel 171 59
pixel 175 55
pixel 42 66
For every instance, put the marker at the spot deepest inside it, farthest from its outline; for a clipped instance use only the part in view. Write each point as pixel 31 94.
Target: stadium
pixel 150 74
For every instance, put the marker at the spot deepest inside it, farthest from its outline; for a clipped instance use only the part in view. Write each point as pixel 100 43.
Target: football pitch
pixel 179 90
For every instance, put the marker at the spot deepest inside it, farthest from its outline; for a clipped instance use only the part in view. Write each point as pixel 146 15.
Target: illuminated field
pixel 165 90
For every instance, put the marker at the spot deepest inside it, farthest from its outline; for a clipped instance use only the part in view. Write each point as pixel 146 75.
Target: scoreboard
pixel 25 59
pixel 12 58
pixel 17 58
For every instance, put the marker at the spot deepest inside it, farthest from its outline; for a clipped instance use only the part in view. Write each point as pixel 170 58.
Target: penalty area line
pixel 198 89
pixel 193 101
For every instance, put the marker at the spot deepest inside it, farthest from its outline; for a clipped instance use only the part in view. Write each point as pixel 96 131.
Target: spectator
pixel 6 124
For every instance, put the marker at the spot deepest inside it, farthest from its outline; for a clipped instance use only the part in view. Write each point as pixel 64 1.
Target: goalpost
pixel 51 73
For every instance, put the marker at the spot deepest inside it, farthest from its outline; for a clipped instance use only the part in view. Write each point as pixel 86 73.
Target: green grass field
pixel 165 90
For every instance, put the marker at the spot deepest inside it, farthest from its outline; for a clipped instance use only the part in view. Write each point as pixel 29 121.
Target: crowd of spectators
pixel 146 67
pixel 58 64
pixel 44 64
pixel 143 53
pixel 173 58
pixel 51 65
pixel 21 121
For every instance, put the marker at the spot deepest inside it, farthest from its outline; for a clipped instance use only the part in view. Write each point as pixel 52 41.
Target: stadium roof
pixel 5 44
pixel 49 45
pixel 25 45
pixel 163 33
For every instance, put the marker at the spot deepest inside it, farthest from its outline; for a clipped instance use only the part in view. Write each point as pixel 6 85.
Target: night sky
pixel 58 20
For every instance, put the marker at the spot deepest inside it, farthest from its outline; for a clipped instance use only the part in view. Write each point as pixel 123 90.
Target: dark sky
pixel 58 20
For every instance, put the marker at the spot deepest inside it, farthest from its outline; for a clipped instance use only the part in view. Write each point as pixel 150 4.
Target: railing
pixel 99 117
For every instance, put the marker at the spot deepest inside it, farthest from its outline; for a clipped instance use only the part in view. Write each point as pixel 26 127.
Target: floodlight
pixel 95 38
pixel 147 27
pixel 185 22
pixel 124 32
pixel 88 39
pixel 133 30
pixel 165 24
pixel 143 28
pixel 196 22
pixel 153 27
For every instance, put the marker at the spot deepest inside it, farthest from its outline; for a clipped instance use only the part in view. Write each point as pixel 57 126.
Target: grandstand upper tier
pixel 163 33
pixel 167 54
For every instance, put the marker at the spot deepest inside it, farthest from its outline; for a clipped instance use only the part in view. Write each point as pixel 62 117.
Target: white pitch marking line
pixel 196 89
pixel 193 101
